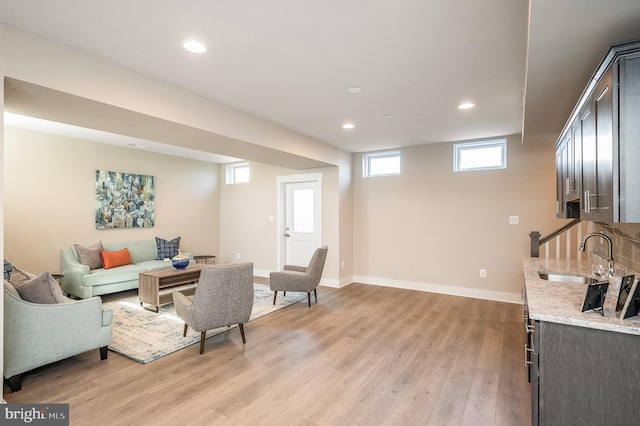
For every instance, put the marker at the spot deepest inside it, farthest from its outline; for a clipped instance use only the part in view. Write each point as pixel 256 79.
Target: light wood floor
pixel 363 355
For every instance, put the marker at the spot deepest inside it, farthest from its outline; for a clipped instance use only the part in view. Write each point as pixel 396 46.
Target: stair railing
pixel 559 236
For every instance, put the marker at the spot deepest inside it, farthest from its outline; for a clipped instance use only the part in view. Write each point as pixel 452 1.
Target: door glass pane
pixel 302 210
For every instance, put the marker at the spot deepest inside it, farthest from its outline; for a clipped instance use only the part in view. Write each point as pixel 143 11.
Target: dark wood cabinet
pixel 561 172
pixel 597 203
pixel 596 150
pixel 584 376
pixel 627 146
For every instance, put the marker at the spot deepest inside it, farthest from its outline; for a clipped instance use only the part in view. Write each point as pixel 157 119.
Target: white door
pixel 302 221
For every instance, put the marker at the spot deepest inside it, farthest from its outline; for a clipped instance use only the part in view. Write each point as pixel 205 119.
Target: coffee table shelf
pixel 156 287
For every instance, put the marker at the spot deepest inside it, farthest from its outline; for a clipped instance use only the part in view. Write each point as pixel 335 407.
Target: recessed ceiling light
pixel 194 46
pixel 388 116
pixel 354 90
pixel 466 105
pixel 348 126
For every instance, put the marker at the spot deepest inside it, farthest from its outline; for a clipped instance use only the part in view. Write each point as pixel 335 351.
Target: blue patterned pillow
pixel 8 267
pixel 167 249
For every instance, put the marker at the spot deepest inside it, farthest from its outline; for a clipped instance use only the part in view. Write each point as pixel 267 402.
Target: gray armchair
pixel 300 278
pixel 224 296
pixel 39 334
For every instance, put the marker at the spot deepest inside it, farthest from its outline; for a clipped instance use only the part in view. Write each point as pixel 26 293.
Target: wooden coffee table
pixel 156 287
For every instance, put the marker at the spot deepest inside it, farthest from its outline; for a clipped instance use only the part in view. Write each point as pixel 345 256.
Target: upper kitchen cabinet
pixel 628 143
pixel 599 148
pixel 569 172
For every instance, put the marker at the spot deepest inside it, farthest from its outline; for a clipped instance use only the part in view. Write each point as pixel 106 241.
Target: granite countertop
pixel 561 302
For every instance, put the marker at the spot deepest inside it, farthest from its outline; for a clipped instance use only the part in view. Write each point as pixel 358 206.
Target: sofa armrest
pixel 38 334
pixel 302 269
pixel 183 305
pixel 107 317
pixel 72 271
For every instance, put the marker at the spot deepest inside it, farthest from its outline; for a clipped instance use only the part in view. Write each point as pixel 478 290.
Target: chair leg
pixel 242 332
pixel 184 333
pixel 309 298
pixel 284 293
pixel 315 293
pixel 275 293
pixel 202 336
pixel 103 352
pixel 15 382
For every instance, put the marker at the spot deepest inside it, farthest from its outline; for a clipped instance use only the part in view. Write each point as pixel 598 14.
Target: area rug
pixel 144 336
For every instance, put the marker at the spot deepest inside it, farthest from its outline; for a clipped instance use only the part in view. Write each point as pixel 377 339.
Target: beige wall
pixel 433 229
pixel 2 200
pixel 49 184
pixel 50 194
pixel 94 82
pixel 245 225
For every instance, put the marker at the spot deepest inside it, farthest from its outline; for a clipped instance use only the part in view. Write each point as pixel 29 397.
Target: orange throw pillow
pixel 111 259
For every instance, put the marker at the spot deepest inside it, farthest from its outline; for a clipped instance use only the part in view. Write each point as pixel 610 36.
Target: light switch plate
pixel 513 220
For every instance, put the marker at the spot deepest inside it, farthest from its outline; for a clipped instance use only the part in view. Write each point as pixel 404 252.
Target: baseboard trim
pixel 498 296
pixel 474 293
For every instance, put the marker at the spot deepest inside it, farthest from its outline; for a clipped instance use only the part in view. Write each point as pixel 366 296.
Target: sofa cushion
pixel 154 265
pixel 90 256
pixel 119 274
pixel 41 289
pixel 111 259
pixel 167 249
pixel 19 276
pixel 8 267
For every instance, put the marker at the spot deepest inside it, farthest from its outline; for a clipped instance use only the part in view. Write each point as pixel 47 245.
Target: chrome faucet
pixel 610 264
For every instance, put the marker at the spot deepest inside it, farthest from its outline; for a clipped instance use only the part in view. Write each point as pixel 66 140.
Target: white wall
pixel 433 229
pixel 50 197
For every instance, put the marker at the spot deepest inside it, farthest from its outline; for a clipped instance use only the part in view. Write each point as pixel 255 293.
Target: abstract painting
pixel 124 200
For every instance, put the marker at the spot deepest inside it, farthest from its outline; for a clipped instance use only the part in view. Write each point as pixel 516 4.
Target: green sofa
pixel 80 281
pixel 38 334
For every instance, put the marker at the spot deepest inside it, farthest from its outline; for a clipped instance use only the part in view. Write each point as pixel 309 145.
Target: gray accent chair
pixel 40 334
pixel 223 297
pixel 300 278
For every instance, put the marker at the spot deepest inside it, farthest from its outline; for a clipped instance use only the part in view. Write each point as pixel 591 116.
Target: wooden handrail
pixel 536 241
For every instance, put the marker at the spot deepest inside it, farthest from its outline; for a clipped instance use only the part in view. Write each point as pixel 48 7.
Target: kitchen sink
pixel 564 278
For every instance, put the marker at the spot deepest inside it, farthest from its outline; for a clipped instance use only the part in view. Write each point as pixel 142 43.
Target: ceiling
pixel 291 62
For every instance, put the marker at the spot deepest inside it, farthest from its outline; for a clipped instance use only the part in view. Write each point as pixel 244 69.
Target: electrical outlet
pixel 483 273
pixel 513 220
pixel 237 255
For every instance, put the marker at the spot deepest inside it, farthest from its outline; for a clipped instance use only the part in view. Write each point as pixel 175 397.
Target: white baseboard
pixel 498 296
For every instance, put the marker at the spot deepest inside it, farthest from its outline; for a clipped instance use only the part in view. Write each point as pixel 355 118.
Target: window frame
pixel 231 175
pixel 477 145
pixel 367 158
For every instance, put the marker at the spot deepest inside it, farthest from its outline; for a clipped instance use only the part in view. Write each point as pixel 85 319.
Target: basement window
pixel 237 173
pixel 485 155
pixel 385 163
